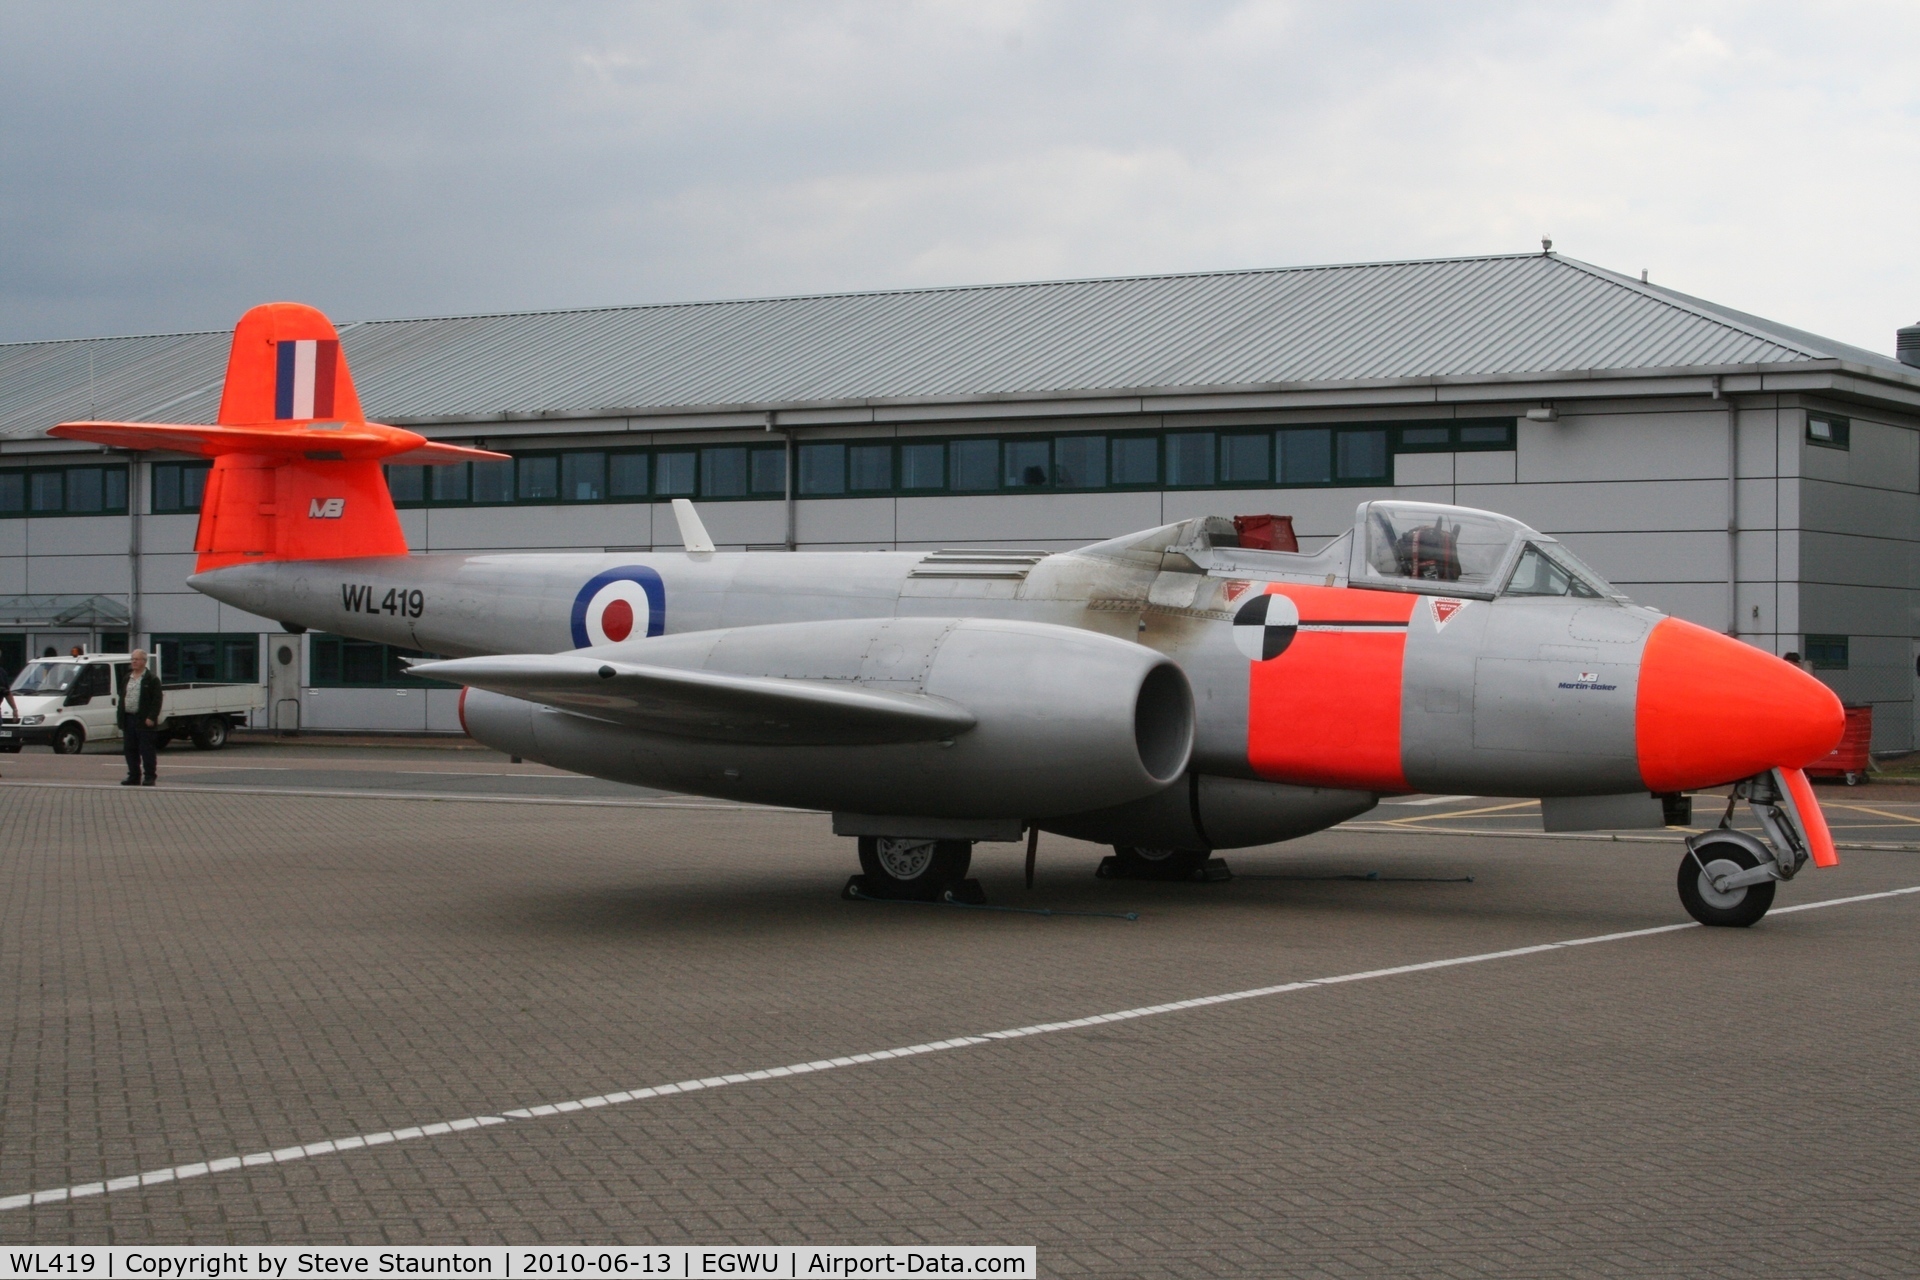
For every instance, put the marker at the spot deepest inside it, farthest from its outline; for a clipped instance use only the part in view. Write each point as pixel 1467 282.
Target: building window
pixel 1362 455
pixel 178 486
pixel 823 468
pixel 537 478
pixel 723 472
pixel 1080 462
pixel 627 476
pixel 493 481
pixel 583 477
pixel 46 491
pixel 870 468
pixel 1190 459
pixel 1287 457
pixel 1827 653
pixel 673 474
pixel 1828 431
pixel 220 658
pixel 1243 458
pixel 407 485
pixel 923 466
pixel 64 491
pixel 769 472
pixel 1136 461
pixel 448 483
pixel 976 465
pixel 1306 456
pixel 338 662
pixel 1028 463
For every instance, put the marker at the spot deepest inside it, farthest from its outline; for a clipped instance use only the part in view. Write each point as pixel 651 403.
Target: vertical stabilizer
pixel 297 469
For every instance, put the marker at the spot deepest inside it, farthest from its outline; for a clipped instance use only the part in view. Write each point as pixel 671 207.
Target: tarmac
pixel 364 994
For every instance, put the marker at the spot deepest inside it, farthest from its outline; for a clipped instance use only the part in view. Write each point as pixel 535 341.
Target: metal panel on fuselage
pixel 1326 710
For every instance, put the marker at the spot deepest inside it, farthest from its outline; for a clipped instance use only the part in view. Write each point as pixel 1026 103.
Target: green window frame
pixel 227 657
pixel 1254 456
pixel 1827 653
pixel 342 662
pixel 89 489
pixel 177 487
pixel 1829 431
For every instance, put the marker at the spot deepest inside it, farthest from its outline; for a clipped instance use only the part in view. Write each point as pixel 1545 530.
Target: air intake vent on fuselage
pixel 965 563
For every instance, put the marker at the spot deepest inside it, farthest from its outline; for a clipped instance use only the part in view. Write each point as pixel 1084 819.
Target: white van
pixel 66 703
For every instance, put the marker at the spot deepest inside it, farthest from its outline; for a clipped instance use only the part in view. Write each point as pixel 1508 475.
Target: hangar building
pixel 1745 475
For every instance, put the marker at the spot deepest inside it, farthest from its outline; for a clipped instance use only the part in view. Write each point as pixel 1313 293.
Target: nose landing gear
pixel 1727 877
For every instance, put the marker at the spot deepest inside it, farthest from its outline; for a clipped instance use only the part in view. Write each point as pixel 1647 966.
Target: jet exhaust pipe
pixel 1064 720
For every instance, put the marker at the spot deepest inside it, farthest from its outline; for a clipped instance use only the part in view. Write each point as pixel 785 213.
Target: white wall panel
pixel 1563 509
pixel 13 575
pixel 1422 469
pixel 732 525
pixel 159 534
pixel 1072 519
pixel 1638 446
pixel 1654 557
pixel 77 575
pixel 1485 468
pixel 378 710
pixel 852 522
pixel 1883 457
pixel 1702 603
pixel 538 528
pixel 179 611
pixel 13 537
pixel 443 711
pixel 78 535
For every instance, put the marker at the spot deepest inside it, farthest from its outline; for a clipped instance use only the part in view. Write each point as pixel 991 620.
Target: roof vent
pixel 1906 345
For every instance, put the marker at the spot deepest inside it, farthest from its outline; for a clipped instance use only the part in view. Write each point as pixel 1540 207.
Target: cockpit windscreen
pixel 1423 542
pixel 1551 570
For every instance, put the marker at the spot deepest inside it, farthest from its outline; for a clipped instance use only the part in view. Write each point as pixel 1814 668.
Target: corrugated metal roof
pixel 1444 318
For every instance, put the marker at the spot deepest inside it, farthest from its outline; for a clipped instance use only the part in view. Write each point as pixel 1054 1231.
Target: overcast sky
pixel 163 167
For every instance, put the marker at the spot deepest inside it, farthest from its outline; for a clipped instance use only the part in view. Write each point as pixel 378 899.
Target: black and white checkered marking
pixel 1265 626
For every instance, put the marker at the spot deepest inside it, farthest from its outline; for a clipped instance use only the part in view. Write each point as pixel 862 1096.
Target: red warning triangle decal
pixel 1444 609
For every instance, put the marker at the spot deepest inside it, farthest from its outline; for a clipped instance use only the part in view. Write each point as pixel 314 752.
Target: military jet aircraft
pixel 1171 693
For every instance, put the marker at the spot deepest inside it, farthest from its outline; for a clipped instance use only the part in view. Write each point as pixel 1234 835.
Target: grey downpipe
pixel 1733 518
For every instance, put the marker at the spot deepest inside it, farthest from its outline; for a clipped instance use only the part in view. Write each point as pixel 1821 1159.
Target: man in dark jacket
pixel 139 713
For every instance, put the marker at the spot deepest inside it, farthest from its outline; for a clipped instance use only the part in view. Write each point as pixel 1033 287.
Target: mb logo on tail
pixel 331 509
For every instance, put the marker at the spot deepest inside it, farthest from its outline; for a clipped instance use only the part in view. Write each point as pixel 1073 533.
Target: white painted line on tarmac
pixel 450 797
pixel 1429 800
pixel 1396 829
pixel 333 1146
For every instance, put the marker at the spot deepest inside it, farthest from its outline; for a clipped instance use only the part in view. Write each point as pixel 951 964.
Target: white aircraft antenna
pixel 692 533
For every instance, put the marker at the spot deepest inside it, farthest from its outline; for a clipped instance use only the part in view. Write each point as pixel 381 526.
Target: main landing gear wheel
pixel 1736 908
pixel 68 739
pixel 1139 862
pixel 908 867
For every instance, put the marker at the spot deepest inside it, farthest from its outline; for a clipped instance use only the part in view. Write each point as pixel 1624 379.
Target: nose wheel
pixel 1705 891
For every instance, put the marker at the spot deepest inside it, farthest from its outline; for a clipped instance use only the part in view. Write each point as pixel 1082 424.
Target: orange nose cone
pixel 1711 710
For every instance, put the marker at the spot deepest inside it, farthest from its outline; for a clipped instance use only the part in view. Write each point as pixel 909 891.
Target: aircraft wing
pixel 709 704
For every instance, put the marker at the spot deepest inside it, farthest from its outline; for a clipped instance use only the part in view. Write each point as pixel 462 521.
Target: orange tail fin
pixel 297 467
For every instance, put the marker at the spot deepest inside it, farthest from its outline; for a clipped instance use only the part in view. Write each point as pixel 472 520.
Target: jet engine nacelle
pixel 1207 812
pixel 1064 720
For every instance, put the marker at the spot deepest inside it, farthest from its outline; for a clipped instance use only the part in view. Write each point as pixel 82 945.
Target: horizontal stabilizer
pixel 709 704
pixel 328 441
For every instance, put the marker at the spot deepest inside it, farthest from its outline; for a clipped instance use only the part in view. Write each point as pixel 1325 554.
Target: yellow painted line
pixel 1879 813
pixel 1459 813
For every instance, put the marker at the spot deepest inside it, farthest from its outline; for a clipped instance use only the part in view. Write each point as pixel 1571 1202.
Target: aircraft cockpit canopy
pixel 1428 547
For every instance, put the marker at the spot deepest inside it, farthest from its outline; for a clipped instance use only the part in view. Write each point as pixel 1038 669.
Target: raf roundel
pixel 1265 626
pixel 621 604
